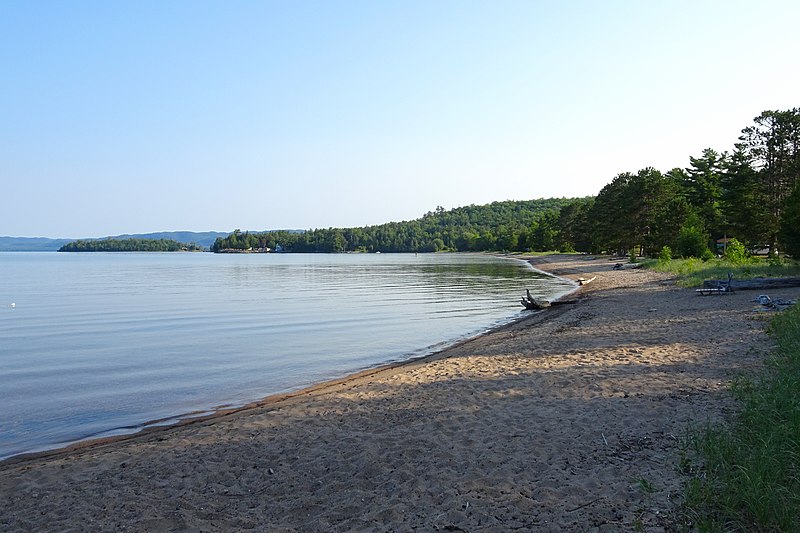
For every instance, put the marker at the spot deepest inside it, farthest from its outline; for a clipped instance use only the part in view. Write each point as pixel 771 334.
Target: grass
pixel 646 486
pixel 749 477
pixel 692 272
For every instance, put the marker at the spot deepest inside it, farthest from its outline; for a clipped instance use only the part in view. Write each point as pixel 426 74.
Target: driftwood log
pixel 626 266
pixel 534 304
pixel 755 284
pixel 529 302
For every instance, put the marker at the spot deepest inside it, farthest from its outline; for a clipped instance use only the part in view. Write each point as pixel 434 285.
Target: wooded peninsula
pixel 748 197
pixel 129 245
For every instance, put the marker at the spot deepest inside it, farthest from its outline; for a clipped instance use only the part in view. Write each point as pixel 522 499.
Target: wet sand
pixel 570 419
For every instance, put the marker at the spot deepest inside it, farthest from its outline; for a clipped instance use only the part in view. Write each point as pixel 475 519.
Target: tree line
pixel 129 245
pixel 510 225
pixel 750 194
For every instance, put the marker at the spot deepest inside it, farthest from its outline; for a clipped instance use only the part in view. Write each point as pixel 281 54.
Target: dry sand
pixel 571 419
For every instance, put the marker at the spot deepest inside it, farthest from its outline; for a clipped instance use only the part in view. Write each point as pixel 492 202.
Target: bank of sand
pixel 571 419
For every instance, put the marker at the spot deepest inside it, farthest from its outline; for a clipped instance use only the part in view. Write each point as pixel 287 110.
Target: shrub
pixel 735 252
pixel 665 255
pixel 567 248
pixel 691 242
pixel 775 260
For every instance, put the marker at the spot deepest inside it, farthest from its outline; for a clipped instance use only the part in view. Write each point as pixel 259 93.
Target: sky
pixel 165 115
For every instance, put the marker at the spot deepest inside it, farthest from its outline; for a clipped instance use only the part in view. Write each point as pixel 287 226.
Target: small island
pixel 129 245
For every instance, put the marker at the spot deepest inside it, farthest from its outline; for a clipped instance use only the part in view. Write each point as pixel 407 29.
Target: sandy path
pixel 570 419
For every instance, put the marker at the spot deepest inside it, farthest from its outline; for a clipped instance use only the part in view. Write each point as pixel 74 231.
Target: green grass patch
pixel 750 474
pixel 692 272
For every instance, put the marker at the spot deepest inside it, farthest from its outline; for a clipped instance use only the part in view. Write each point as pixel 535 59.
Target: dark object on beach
pixel 752 284
pixel 627 266
pixel 534 304
pixel 719 287
pixel 529 302
pixel 778 304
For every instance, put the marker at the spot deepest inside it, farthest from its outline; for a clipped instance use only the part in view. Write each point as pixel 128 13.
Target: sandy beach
pixel 570 419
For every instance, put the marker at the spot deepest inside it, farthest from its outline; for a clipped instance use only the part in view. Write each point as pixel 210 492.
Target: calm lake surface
pixel 103 344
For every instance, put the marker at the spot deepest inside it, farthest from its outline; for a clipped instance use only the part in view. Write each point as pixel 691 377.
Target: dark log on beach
pixel 755 284
pixel 529 302
pixel 626 266
pixel 534 304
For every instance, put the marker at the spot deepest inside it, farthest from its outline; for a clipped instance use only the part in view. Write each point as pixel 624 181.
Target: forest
pixel 129 245
pixel 500 225
pixel 748 196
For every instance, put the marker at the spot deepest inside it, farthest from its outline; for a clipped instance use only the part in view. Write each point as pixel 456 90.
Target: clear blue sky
pixel 137 116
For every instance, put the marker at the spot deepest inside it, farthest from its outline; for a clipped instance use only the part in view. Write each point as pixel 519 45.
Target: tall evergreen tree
pixel 612 228
pixel 743 201
pixel 772 147
pixel 790 224
pixel 703 189
pixel 574 226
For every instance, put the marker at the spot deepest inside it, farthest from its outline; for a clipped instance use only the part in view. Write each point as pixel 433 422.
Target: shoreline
pixel 166 424
pixel 567 419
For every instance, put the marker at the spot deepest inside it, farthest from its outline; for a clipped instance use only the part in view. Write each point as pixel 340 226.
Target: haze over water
pixel 100 344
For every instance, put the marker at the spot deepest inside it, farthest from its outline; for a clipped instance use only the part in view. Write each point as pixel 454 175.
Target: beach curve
pixel 569 419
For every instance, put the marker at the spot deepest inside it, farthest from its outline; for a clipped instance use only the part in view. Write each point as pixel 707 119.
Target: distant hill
pixel 44 244
pixel 513 225
pixel 31 244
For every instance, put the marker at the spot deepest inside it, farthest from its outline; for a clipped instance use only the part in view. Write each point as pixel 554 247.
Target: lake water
pixel 103 344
